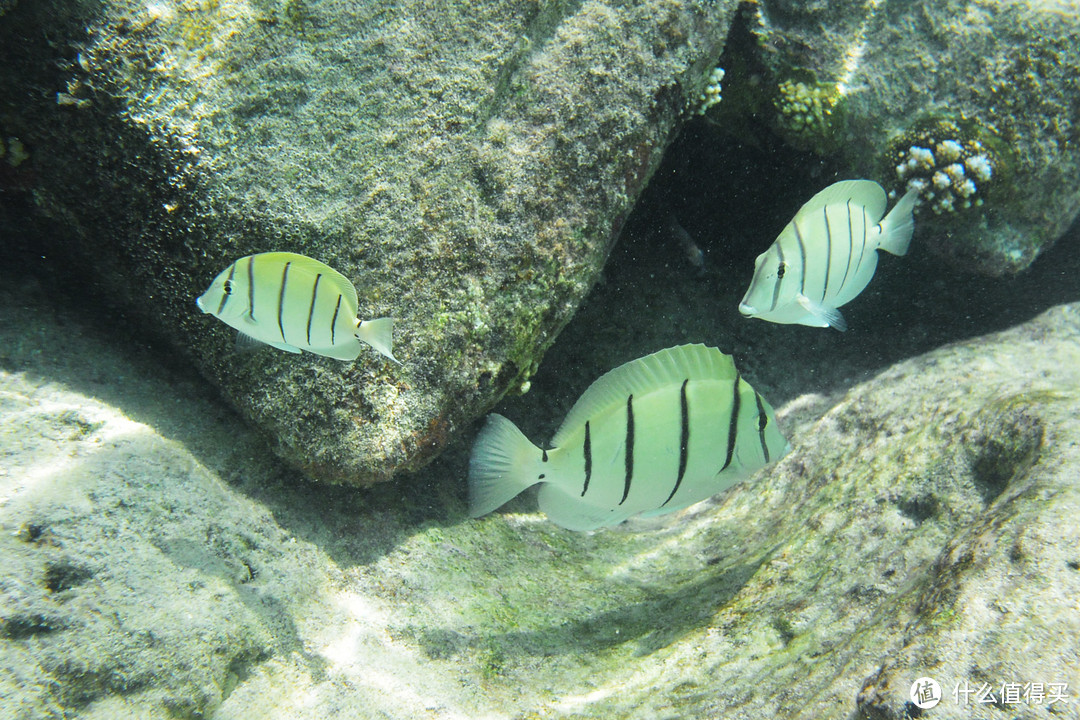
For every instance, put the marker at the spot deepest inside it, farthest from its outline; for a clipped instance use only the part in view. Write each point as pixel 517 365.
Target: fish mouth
pixel 747 309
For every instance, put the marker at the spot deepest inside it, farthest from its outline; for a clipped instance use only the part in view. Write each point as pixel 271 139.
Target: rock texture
pixel 468 165
pixel 890 76
pixel 157 562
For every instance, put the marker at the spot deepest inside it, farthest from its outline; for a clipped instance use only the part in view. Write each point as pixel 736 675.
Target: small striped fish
pixel 652 436
pixel 294 303
pixel 827 255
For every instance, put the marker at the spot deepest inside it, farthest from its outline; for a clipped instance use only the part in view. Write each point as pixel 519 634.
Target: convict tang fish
pixel 650 437
pixel 294 303
pixel 827 255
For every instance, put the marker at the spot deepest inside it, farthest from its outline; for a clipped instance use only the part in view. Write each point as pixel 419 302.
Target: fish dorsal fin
pixel 642 376
pixel 304 264
pixel 866 193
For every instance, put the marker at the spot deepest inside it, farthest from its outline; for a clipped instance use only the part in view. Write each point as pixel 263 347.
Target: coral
pixel 809 114
pixel 948 163
pixel 711 95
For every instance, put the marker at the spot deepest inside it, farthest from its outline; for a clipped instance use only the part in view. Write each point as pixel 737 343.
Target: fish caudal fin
pixel 899 225
pixel 379 334
pixel 501 465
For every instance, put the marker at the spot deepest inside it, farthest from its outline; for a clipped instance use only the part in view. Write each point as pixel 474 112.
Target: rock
pixel 118 589
pixel 158 560
pixel 467 165
pixel 864 83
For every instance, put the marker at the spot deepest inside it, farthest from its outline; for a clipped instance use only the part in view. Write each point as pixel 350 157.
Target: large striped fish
pixel 652 436
pixel 294 303
pixel 827 255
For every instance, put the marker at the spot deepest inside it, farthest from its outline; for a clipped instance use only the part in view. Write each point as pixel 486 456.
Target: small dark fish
pixel 687 246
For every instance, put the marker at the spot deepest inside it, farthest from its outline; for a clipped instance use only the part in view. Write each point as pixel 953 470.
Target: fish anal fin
pixel 248 343
pixel 829 317
pixel 573 513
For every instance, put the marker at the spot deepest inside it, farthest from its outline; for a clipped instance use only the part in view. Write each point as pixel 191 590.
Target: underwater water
pixel 916 553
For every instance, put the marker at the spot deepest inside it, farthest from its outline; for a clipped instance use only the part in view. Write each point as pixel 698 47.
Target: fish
pixel 690 250
pixel 293 303
pixel 650 437
pixel 827 255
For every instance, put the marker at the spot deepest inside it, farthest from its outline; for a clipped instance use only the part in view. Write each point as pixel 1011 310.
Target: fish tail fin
pixel 898 225
pixel 500 466
pixel 379 334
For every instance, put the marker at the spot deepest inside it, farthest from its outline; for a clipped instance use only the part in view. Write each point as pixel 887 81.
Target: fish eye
pixel 780 270
pixel 762 421
pixel 227 287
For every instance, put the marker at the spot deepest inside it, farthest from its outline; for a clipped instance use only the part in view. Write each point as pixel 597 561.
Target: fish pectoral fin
pixel 830 317
pixel 246 343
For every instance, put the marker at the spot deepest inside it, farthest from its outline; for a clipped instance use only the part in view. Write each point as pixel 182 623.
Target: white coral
pixel 920 157
pixel 949 150
pixel 980 167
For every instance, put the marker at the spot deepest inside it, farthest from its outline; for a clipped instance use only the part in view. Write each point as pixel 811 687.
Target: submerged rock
pixel 467 165
pixel 924 526
pixel 975 103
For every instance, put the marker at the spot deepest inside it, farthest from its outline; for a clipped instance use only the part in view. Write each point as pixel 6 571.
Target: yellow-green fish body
pixel 294 303
pixel 650 437
pixel 827 255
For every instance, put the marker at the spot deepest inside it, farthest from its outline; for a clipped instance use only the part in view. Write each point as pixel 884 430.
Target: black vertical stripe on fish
pixel 281 299
pixel 543 457
pixel 780 273
pixel 333 320
pixel 588 459
pixel 684 441
pixel 629 448
pixel 311 308
pixel 762 423
pixel 251 288
pixel 851 248
pixel 802 256
pixel 227 289
pixel 828 252
pixel 863 248
pixel 733 424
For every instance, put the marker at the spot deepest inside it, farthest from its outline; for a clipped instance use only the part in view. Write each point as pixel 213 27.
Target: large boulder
pixel 467 165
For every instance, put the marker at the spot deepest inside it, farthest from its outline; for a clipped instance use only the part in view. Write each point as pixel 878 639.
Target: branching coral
pixel 951 169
